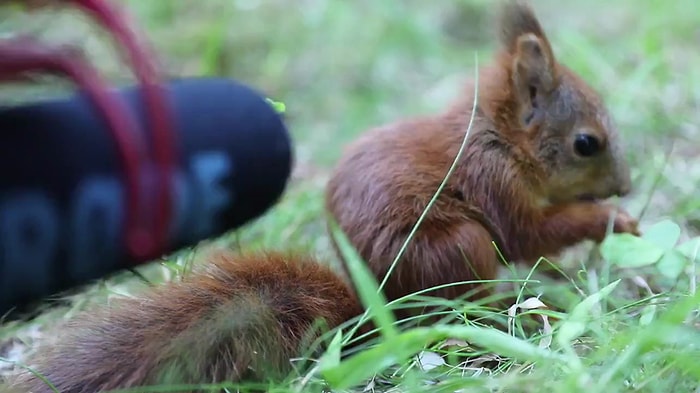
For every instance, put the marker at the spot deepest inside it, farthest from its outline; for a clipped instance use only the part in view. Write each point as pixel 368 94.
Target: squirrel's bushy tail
pixel 237 318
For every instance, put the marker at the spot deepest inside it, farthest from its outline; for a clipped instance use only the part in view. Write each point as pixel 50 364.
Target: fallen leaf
pixel 640 281
pixel 546 340
pixel 529 304
pixel 430 360
pixel 453 342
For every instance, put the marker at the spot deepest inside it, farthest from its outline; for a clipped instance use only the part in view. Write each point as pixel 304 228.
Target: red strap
pixel 145 245
pixel 146 227
pixel 21 56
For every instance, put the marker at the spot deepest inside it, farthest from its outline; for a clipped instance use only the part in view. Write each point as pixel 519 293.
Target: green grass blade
pixel 367 289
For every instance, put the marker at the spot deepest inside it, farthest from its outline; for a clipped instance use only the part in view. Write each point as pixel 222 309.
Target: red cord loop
pixel 146 227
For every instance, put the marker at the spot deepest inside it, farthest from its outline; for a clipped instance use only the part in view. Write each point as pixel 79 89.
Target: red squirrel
pixel 541 154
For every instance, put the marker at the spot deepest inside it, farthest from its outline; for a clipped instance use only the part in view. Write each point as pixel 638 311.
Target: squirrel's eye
pixel 586 145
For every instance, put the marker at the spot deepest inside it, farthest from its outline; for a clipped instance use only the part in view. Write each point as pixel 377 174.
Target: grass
pixel 341 67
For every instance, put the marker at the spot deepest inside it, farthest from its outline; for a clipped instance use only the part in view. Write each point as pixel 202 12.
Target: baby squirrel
pixel 540 155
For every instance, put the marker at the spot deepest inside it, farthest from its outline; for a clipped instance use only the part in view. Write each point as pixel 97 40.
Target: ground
pixel 342 66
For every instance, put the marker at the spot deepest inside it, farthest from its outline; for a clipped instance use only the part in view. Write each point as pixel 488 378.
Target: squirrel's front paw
pixel 625 223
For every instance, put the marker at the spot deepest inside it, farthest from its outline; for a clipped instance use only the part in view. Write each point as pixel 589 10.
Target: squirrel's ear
pixel 517 19
pixel 533 63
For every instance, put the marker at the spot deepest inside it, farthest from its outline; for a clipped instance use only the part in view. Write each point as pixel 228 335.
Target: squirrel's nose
pixel 624 184
pixel 624 189
pixel 621 176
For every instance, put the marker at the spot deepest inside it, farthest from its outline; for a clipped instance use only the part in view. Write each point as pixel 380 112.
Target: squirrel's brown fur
pixel 519 181
pixel 240 318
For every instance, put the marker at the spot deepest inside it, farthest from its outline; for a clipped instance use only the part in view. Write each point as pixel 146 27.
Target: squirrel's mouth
pixel 587 198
